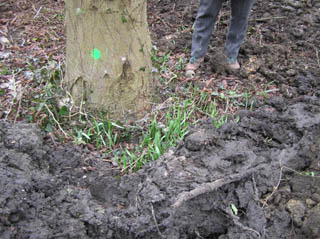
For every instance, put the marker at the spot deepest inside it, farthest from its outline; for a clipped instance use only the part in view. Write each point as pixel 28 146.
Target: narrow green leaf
pixel 124 20
pixel 234 209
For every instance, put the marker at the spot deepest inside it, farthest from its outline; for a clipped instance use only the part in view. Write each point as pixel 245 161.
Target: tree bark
pixel 108 65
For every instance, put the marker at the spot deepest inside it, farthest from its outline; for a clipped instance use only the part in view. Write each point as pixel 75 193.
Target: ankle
pixel 233 63
pixel 232 60
pixel 194 60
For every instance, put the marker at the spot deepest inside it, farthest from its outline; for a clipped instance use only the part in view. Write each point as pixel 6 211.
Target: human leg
pixel 206 18
pixel 240 11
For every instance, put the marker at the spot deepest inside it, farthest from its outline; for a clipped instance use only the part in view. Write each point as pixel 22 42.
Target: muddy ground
pixel 258 178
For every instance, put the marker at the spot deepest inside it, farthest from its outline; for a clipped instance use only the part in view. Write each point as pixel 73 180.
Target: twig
pixel 299 173
pixel 228 78
pixel 257 20
pixel 155 221
pixel 15 95
pixel 317 56
pixel 19 108
pixel 198 235
pixel 227 106
pixel 279 181
pixel 52 139
pixel 183 82
pixel 9 112
pixel 37 12
pixel 272 90
pixel 164 23
pixel 236 221
pixel 54 119
pixel 267 18
pixel 212 186
pixel 202 189
pixel 162 106
pixel 274 190
pixel 256 193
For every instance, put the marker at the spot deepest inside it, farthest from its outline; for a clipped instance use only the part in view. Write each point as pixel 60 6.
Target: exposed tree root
pixel 211 186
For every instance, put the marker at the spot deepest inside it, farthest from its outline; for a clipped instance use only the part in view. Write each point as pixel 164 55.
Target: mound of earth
pixel 243 180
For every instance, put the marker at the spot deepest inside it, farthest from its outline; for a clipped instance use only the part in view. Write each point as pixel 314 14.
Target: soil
pixel 258 178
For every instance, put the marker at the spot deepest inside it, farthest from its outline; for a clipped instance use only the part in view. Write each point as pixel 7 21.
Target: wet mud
pixel 258 178
pixel 256 166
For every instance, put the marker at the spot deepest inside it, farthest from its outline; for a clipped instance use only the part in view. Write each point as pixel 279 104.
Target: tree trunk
pixel 108 66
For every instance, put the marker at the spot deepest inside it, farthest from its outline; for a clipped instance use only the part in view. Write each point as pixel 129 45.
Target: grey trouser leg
pixel 240 11
pixel 206 20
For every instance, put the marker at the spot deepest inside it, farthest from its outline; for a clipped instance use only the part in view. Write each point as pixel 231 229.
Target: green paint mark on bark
pixel 79 11
pixel 96 54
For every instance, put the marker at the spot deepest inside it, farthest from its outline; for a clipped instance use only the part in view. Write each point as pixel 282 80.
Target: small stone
pixel 277 199
pixel 291 72
pixel 266 15
pixel 298 32
pixel 310 202
pixel 294 3
pixel 289 8
pixel 315 197
pixel 286 189
pixel 297 210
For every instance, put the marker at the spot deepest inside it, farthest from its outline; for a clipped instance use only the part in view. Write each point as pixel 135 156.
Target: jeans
pixel 206 19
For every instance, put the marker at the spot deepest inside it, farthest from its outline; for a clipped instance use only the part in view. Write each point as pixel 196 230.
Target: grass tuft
pixel 130 146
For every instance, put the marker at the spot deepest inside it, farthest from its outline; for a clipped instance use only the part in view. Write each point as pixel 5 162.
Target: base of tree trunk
pixel 108 66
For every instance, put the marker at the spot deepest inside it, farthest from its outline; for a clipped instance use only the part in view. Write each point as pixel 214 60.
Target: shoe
pixel 233 63
pixel 192 66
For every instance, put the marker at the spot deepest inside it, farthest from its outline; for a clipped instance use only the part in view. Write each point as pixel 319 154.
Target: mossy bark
pixel 108 63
